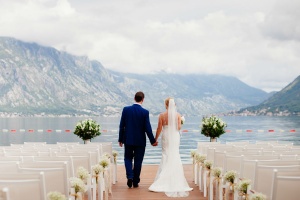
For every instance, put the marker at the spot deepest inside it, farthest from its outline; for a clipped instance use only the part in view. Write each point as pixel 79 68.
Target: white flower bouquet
pixel 200 158
pixel 182 119
pixel 78 185
pixel 208 164
pixel 106 155
pixel 258 196
pixel 82 173
pixel 230 176
pixel 242 186
pixel 193 153
pixel 97 169
pixel 115 155
pixel 104 162
pixel 87 129
pixel 212 126
pixel 56 196
pixel 216 172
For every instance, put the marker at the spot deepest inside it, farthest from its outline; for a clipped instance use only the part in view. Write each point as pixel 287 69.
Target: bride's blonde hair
pixel 167 102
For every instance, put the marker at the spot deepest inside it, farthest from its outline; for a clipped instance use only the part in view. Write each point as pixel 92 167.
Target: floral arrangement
pixel 56 196
pixel 106 155
pixel 200 158
pixel 258 196
pixel 193 153
pixel 182 119
pixel 216 172
pixel 87 129
pixel 82 173
pixel 242 186
pixel 77 184
pixel 104 162
pixel 115 155
pixel 208 164
pixel 212 126
pixel 230 176
pixel 97 169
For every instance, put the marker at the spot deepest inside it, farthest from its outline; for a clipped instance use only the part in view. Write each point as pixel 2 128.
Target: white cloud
pixel 258 42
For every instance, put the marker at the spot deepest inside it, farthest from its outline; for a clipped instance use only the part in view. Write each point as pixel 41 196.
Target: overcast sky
pixel 257 41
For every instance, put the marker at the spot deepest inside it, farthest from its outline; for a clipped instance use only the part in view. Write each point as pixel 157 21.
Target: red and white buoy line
pixel 115 130
pixel 40 131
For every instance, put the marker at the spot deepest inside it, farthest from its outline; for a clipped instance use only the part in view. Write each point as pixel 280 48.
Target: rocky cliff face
pixel 35 79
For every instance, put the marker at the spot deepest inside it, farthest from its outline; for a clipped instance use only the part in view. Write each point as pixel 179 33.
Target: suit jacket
pixel 134 124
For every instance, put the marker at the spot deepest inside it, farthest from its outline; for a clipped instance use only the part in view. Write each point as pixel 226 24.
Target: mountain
pixel 42 80
pixel 284 102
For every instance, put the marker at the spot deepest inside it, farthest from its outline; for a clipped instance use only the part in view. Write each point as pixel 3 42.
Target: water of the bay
pixel 18 130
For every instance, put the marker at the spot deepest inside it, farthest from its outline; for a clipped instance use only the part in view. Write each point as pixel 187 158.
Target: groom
pixel 133 126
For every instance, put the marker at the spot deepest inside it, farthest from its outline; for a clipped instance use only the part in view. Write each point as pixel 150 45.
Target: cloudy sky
pixel 256 41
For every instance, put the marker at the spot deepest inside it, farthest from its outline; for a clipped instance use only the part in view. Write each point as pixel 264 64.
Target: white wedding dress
pixel 170 175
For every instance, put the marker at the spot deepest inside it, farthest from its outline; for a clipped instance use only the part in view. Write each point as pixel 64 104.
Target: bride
pixel 170 175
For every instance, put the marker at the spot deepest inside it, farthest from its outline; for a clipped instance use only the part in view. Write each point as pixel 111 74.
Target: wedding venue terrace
pixel 232 170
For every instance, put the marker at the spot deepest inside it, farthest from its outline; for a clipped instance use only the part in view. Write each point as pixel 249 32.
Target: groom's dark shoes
pixel 129 182
pixel 135 185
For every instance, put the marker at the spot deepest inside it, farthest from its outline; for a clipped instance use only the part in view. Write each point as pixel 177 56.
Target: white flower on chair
pixel 56 196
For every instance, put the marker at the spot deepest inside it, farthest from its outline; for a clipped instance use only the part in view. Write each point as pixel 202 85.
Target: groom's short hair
pixel 139 96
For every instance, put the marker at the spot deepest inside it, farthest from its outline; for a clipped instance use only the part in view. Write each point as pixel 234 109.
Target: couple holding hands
pixel 134 126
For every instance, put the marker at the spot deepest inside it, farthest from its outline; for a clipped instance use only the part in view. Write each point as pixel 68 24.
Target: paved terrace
pixel 121 191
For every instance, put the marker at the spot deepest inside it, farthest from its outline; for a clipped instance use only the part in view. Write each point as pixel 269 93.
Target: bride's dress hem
pixel 184 193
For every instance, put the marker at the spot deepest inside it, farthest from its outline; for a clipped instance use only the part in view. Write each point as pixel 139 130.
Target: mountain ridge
pixel 35 79
pixel 284 102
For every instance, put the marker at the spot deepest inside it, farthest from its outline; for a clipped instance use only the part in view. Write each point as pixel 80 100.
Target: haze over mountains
pixel 42 80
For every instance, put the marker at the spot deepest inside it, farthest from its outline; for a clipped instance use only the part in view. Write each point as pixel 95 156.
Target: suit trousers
pixel 136 154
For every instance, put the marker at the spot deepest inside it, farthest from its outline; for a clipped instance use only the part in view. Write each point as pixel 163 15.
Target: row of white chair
pixel 248 164
pixel 77 155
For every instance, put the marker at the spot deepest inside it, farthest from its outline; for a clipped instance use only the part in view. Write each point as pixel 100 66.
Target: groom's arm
pixel 149 130
pixel 122 128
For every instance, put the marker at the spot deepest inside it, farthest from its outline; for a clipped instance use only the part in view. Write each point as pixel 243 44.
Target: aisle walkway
pixel 121 191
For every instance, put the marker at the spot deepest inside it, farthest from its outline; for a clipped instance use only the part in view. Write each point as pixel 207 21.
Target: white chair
pixel 56 175
pixel 34 144
pixel 285 186
pixel 264 177
pixel 248 166
pixel 78 159
pixel 202 146
pixel 9 167
pixel 24 186
pixel 4 193
pixel 239 143
pixel 67 159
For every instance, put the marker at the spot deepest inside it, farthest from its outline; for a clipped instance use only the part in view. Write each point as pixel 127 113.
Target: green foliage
pixel 212 126
pixel 87 129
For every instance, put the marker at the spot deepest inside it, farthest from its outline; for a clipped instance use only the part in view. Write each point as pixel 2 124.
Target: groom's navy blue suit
pixel 134 126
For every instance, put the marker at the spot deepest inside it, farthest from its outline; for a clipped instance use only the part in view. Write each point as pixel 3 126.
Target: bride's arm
pixel 179 121
pixel 159 127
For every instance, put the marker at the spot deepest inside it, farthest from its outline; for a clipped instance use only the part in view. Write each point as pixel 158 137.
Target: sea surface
pixel 18 130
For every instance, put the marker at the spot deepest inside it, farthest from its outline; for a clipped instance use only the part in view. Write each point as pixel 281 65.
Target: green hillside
pixel 285 101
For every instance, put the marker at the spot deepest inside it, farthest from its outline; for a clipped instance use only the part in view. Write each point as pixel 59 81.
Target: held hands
pixel 120 144
pixel 155 144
